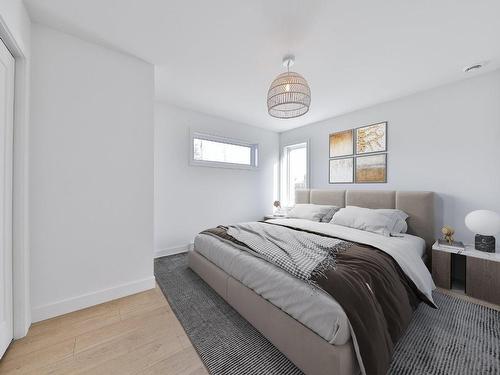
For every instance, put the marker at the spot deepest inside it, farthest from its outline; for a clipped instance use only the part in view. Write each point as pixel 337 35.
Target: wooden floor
pixel 138 334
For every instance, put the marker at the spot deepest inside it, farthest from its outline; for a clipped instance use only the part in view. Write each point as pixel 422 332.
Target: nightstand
pixel 473 272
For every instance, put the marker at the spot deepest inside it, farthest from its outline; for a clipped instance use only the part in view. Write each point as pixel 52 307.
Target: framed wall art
pixel 371 138
pixel 371 169
pixel 358 155
pixel 341 171
pixel 342 143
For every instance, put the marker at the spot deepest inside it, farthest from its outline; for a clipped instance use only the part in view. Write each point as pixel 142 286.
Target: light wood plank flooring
pixel 138 334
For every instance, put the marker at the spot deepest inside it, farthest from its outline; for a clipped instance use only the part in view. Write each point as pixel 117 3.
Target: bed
pixel 312 329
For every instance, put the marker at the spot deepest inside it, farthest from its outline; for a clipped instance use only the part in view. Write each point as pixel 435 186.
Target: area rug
pixel 459 338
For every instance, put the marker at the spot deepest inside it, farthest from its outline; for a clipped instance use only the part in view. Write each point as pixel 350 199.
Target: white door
pixel 6 145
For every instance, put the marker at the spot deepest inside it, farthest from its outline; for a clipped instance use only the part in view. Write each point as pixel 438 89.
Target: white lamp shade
pixel 483 222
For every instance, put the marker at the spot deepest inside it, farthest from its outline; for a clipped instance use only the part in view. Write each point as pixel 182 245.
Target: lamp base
pixel 485 243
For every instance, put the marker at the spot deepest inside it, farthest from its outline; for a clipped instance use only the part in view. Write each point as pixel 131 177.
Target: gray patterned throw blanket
pixel 303 255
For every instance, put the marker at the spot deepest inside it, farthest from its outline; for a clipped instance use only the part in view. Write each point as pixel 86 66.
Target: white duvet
pixel 406 250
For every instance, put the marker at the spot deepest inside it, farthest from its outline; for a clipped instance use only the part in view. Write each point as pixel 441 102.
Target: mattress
pixel 310 306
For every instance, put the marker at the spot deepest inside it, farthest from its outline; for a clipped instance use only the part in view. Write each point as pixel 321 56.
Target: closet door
pixel 6 146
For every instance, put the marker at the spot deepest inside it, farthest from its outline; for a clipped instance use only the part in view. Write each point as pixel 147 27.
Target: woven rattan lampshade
pixel 289 95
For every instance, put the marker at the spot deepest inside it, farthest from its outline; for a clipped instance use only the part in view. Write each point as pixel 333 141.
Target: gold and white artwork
pixel 341 143
pixel 341 171
pixel 371 138
pixel 371 168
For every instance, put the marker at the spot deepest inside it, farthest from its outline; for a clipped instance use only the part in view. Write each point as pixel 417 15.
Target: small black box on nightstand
pixel 485 243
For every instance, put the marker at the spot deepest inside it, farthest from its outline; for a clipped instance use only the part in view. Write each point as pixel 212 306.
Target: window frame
pixel 285 167
pixel 254 152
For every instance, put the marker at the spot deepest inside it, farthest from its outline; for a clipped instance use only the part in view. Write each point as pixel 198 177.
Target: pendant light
pixel 289 95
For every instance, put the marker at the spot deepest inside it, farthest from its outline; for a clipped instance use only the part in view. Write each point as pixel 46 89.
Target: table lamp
pixel 485 224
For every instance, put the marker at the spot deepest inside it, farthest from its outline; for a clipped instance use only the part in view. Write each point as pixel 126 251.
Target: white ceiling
pixel 219 56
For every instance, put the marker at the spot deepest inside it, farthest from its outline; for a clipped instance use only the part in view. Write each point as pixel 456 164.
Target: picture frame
pixel 341 171
pixel 341 143
pixel 370 139
pixel 371 169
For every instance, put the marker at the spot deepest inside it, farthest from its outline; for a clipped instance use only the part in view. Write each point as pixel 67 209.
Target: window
pixel 216 151
pixel 294 171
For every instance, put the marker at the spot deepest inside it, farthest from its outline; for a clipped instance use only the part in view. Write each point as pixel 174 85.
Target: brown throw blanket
pixel 376 295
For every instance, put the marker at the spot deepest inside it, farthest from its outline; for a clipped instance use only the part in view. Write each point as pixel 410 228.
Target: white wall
pixel 91 173
pixel 444 140
pixel 189 199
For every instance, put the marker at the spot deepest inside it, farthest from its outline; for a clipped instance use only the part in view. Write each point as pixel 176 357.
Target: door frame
pixel 20 185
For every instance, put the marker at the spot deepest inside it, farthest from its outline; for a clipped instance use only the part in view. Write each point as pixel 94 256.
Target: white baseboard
pixel 90 299
pixel 172 250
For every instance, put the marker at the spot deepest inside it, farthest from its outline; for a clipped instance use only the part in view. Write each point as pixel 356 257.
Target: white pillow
pixel 401 226
pixel 314 212
pixel 365 219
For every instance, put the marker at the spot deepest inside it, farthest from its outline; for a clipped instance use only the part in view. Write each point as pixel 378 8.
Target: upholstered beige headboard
pixel 419 205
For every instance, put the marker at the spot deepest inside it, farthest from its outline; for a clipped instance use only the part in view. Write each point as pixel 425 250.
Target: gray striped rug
pixel 460 338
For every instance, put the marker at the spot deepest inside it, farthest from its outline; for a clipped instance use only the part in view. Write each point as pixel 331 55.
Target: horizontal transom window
pixel 215 151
